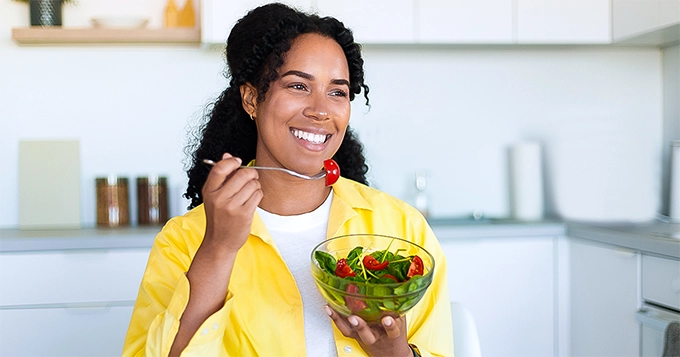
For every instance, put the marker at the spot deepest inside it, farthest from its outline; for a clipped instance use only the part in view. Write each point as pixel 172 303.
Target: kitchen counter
pixel 651 237
pixel 14 240
pixel 454 228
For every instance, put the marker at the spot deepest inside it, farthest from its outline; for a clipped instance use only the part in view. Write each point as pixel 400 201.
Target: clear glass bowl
pixel 371 301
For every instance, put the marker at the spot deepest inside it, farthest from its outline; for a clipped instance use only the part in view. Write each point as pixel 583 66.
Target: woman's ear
pixel 249 99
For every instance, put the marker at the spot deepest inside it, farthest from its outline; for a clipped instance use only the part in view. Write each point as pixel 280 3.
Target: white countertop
pixel 14 240
pixel 651 237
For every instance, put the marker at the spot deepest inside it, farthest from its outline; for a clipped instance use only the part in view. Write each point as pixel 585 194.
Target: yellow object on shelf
pixel 171 14
pixel 187 17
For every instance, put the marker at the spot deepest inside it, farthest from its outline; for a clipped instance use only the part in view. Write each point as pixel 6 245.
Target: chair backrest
pixel 465 338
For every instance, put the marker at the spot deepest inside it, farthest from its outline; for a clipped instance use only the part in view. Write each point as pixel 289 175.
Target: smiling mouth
pixel 311 137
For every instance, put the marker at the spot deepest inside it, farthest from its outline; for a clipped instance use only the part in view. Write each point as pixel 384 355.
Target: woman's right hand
pixel 230 197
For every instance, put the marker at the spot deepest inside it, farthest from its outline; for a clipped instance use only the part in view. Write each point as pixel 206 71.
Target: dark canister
pixel 46 13
pixel 152 200
pixel 113 207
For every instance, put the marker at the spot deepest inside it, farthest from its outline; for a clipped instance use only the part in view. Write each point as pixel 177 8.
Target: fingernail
pixel 353 320
pixel 226 155
pixel 328 310
pixel 239 160
pixel 388 321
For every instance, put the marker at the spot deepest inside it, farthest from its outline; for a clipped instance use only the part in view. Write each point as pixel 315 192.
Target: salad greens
pixel 370 284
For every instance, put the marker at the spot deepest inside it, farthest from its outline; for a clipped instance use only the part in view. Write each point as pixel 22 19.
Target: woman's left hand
pixel 388 338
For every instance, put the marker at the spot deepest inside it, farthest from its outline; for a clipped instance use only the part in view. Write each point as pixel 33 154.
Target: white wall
pixel 451 112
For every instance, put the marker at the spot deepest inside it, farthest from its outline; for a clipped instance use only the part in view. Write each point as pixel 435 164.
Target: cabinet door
pixel 53 332
pixel 71 277
pixel 604 299
pixel 465 21
pixel 564 22
pixel 509 287
pixel 634 17
pixel 219 16
pixel 375 21
pixel 670 12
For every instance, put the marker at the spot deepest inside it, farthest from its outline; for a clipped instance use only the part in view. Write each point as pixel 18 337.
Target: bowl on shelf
pixel 120 22
pixel 371 275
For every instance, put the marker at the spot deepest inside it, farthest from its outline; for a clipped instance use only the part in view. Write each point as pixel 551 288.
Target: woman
pixel 231 277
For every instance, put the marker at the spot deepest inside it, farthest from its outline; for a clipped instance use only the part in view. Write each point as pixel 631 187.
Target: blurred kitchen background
pixel 450 108
pixel 454 85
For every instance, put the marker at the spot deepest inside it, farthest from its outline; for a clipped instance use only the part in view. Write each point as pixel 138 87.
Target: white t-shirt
pixel 295 237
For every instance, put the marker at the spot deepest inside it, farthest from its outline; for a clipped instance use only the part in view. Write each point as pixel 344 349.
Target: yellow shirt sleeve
pixel 162 299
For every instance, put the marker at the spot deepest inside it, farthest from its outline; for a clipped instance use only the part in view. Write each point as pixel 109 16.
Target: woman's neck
pixel 286 195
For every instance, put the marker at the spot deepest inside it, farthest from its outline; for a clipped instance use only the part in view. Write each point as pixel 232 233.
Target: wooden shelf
pixel 42 36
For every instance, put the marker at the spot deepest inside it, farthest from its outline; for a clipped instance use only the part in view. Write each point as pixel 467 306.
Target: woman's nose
pixel 318 108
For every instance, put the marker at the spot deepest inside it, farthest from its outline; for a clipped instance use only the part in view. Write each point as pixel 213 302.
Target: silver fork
pixel 321 174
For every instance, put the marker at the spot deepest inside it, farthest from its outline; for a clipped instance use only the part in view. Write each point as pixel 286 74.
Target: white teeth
pixel 314 138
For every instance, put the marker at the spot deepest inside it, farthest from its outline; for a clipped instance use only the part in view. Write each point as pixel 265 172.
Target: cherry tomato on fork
pixel 332 171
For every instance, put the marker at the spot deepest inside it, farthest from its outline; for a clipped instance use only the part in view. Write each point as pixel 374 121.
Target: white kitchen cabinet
pixel 68 303
pixel 465 21
pixel 604 300
pixel 75 331
pixel 70 276
pixel 509 286
pixel 635 17
pixel 632 17
pixel 219 16
pixel 375 21
pixel 441 22
pixel 564 22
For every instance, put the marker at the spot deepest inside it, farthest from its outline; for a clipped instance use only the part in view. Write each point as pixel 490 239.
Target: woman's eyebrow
pixel 341 82
pixel 311 77
pixel 293 72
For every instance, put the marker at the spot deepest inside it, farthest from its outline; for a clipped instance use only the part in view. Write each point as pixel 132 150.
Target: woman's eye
pixel 339 93
pixel 297 86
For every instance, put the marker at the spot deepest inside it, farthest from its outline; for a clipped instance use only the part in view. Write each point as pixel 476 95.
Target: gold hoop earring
pixel 251 117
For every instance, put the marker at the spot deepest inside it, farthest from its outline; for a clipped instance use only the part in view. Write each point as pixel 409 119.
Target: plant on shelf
pixel 45 13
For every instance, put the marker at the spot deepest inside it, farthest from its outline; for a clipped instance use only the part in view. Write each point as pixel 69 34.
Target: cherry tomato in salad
pixel 373 264
pixel 332 171
pixel 354 304
pixel 342 269
pixel 388 276
pixel 416 267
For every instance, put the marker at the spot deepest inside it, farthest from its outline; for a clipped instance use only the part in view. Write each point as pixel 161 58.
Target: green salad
pixel 372 284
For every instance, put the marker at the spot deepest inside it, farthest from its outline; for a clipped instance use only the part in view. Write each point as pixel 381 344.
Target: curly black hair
pixel 255 50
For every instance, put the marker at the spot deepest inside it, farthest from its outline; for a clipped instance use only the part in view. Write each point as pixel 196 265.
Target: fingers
pixel 365 333
pixel 342 323
pixel 357 328
pixel 391 327
pixel 220 171
pixel 242 183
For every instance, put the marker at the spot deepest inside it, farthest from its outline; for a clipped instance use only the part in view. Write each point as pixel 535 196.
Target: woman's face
pixel 305 114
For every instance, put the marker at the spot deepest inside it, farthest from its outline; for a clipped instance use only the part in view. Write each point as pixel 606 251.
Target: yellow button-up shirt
pixel 262 314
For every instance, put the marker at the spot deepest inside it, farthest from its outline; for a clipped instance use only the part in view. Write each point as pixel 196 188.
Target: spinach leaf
pixel 326 261
pixel 353 258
